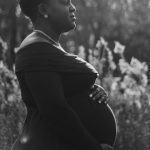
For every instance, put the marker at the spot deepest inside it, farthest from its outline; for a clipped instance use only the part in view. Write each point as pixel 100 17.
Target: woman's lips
pixel 73 17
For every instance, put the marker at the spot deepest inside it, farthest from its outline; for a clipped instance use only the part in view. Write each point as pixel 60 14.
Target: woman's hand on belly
pixel 99 94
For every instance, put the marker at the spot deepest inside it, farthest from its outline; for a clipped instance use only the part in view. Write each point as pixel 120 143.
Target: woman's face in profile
pixel 62 15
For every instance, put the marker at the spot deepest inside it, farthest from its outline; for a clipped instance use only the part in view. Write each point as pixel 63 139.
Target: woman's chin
pixel 74 25
pixel 70 27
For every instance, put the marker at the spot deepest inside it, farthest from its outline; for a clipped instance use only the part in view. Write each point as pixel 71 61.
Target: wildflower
pixel 98 44
pixel 110 55
pixel 90 51
pixel 144 80
pixel 135 63
pixel 95 52
pixel 129 81
pixel 3 44
pixel 114 84
pixel 124 66
pixel 113 65
pixel 1 64
pixel 81 53
pixel 71 46
pixel 137 66
pixel 119 48
pixel 10 97
pixel 91 39
pixel 90 58
pixel 138 104
pixel 79 27
pixel 103 41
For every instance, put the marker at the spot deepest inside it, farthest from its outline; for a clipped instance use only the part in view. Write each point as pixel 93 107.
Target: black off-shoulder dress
pixel 55 88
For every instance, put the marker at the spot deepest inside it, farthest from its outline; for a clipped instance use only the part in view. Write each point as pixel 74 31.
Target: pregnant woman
pixel 66 109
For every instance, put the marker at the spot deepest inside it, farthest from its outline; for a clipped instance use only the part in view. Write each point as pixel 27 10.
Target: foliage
pixel 124 76
pixel 12 110
pixel 126 21
pixel 129 93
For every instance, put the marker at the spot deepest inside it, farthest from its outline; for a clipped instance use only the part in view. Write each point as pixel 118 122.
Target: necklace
pixel 56 43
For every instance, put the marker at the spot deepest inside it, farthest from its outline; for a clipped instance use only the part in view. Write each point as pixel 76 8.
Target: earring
pixel 45 16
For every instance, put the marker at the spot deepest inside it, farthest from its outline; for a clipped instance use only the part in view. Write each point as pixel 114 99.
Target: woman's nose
pixel 72 8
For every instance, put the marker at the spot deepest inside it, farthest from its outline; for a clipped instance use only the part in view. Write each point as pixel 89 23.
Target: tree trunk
pixel 10 55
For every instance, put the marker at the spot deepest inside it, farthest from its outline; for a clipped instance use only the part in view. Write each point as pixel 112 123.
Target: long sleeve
pixel 47 92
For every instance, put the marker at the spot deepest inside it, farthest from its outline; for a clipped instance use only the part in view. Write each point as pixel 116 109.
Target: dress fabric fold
pixel 50 58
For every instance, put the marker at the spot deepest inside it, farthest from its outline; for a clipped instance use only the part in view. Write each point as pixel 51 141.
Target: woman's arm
pixel 47 92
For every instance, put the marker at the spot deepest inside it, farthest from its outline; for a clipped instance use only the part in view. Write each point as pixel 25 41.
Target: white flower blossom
pixel 91 39
pixel 103 41
pixel 95 52
pixel 82 53
pixel 98 44
pixel 119 48
pixel 144 80
pixel 1 64
pixel 138 104
pixel 124 66
pixel 11 98
pixel 114 84
pixel 113 65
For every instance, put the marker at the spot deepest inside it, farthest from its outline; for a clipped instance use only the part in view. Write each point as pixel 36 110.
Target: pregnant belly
pixel 98 118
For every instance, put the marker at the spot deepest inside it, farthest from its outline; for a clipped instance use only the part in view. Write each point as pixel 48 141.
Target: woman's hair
pixel 30 8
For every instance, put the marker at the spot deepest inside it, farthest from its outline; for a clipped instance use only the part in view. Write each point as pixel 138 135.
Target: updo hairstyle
pixel 30 8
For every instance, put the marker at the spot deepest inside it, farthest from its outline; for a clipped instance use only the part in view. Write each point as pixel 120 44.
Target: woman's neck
pixel 48 30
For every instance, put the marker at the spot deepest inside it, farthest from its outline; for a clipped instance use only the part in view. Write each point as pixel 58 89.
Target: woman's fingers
pixel 104 99
pixel 99 94
pixel 101 98
pixel 96 90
